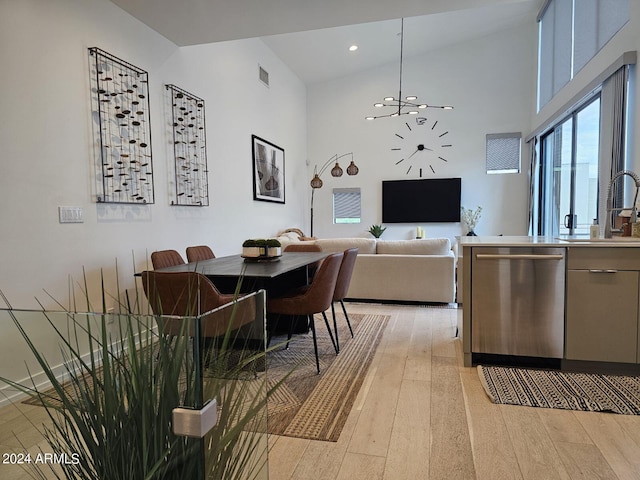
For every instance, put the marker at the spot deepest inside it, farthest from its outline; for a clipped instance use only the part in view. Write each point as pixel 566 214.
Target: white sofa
pixel 396 270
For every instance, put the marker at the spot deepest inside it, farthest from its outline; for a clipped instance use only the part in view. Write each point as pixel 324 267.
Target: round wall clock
pixel 421 146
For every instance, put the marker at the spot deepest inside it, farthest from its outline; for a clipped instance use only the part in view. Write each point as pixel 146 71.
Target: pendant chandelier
pixel 407 106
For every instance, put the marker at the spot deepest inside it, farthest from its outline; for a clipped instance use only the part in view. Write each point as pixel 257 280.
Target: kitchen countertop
pixel 564 241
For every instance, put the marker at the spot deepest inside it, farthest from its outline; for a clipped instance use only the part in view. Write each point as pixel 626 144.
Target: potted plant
pixel 377 230
pixel 112 414
pixel 256 248
pixel 470 219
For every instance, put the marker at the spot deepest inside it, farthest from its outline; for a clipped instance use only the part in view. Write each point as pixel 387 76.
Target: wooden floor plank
pixel 533 447
pixel 493 454
pixel 372 437
pixel 373 429
pixel 563 426
pixel 450 452
pixel 584 461
pixel 618 448
pixel 406 459
pixel 361 467
pixel 418 364
pixel 285 455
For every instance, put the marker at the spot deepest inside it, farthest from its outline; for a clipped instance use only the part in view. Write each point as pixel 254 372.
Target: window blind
pixel 570 34
pixel 346 205
pixel 503 152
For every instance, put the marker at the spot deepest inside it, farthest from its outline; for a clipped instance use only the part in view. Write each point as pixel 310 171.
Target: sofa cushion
pixel 427 246
pixel 364 245
pixel 404 278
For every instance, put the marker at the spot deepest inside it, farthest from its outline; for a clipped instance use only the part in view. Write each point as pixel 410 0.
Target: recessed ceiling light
pixel 353 48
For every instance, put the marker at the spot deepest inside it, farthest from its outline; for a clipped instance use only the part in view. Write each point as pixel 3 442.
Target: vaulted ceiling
pixel 312 37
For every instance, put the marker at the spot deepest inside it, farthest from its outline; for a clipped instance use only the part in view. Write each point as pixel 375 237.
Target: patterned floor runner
pixel 315 406
pixel 563 390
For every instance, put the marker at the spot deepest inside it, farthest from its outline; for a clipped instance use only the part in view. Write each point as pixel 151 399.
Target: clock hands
pixel 420 148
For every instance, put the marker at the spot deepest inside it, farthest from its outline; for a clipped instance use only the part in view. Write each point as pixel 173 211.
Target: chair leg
pixel 335 326
pixel 347 317
pixel 312 325
pixel 290 333
pixel 326 322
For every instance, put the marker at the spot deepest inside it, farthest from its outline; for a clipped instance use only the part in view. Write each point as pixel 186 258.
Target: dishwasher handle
pixel 518 256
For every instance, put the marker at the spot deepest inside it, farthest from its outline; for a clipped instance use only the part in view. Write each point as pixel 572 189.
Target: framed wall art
pixel 122 130
pixel 189 148
pixel 268 171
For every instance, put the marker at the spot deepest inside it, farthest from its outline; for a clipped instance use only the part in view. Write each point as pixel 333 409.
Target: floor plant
pixel 111 411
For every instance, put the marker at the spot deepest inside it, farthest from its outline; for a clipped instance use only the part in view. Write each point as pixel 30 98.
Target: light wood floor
pixel 421 415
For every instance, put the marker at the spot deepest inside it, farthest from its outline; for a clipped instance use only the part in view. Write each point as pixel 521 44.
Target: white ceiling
pixel 312 36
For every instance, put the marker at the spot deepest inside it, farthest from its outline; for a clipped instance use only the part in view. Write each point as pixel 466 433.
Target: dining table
pixel 276 275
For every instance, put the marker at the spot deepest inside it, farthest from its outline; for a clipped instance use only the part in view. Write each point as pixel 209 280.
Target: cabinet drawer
pixel 602 316
pixel 603 258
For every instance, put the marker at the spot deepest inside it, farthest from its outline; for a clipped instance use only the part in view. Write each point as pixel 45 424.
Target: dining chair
pixel 199 253
pixel 166 258
pixel 342 287
pixel 306 247
pixel 190 294
pixel 311 299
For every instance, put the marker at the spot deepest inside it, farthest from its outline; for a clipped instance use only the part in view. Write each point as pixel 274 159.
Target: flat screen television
pixel 432 200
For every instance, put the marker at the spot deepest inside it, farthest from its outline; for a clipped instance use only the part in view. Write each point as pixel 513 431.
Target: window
pixel 503 152
pixel 571 32
pixel 569 173
pixel 346 205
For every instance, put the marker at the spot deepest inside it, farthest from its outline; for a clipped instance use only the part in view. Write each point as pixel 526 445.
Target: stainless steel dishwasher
pixel 517 301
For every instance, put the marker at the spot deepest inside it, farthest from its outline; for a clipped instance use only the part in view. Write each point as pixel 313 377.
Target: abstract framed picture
pixel 268 171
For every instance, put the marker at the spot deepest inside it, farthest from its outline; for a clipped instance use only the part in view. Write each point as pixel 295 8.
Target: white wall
pixel 489 81
pixel 46 153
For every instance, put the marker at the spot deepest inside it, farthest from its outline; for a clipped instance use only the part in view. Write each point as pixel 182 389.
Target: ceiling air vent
pixel 263 75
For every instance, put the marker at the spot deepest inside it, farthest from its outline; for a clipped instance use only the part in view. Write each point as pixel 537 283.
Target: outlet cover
pixel 70 215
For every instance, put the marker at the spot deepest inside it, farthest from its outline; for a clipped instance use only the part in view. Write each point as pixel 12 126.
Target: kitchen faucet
pixel 607 228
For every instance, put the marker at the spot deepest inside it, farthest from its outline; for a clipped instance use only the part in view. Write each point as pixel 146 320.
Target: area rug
pixel 312 406
pixel 308 405
pixel 563 390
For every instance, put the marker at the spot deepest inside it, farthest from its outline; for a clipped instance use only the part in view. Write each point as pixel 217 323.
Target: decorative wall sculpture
pixel 120 109
pixel 189 148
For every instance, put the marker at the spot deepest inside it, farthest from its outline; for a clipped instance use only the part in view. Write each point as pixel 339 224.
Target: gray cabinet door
pixel 602 315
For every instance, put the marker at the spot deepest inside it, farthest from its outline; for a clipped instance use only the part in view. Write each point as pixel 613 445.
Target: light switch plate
pixel 70 215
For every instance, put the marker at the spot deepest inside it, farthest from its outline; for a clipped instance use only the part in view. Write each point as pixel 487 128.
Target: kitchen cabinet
pixel 602 305
pixel 599 302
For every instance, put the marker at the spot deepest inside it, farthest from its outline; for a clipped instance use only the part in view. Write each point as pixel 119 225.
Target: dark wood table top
pixel 235 265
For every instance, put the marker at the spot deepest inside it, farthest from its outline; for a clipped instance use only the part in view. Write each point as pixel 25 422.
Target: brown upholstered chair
pixel 199 253
pixel 306 247
pixel 311 299
pixel 192 294
pixel 342 287
pixel 166 258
